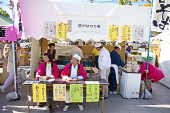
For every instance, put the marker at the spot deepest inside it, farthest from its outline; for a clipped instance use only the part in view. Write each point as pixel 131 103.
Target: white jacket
pixel 104 59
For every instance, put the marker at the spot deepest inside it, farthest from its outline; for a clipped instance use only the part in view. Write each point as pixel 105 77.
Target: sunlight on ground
pixel 22 107
pixel 156 106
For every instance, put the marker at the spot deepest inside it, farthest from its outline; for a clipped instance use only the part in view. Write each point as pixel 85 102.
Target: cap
pixel 118 46
pixel 77 57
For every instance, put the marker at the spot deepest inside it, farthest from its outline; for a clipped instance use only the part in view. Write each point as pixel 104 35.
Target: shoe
pixel 65 108
pixel 41 104
pixel 2 88
pixel 50 108
pixel 115 92
pixel 111 92
pixel 81 107
pixel 105 98
pixel 150 90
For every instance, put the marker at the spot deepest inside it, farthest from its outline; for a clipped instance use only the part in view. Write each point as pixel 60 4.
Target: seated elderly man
pixel 73 71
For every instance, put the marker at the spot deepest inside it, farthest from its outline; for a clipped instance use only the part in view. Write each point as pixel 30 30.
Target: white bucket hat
pixel 77 57
pixel 97 45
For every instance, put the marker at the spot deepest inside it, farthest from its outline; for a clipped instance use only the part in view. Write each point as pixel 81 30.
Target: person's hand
pixel 76 79
pixel 48 77
pixel 99 70
pixel 146 71
pixel 37 78
pixel 54 60
pixel 69 79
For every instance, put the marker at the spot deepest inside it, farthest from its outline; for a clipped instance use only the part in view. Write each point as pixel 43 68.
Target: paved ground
pixel 160 103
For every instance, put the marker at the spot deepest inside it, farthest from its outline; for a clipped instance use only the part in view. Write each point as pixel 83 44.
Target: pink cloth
pixel 41 69
pixel 66 72
pixel 12 34
pixel 154 73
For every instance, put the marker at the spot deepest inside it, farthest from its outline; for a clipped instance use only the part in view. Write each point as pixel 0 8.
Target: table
pixel 102 83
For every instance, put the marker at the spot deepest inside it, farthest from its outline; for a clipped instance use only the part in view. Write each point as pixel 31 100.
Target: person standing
pixel 52 52
pixel 115 63
pixel 10 66
pixel 104 62
pixel 95 57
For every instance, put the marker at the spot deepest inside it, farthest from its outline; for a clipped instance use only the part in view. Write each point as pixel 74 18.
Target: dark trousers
pixel 112 80
pixel 49 96
pixel 96 62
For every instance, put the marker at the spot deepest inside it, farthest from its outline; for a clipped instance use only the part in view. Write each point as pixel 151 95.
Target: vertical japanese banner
pixel 126 33
pixel 92 93
pixel 113 33
pixel 61 30
pixel 59 92
pixel 76 93
pixel 39 93
pixel 138 33
pixel 160 15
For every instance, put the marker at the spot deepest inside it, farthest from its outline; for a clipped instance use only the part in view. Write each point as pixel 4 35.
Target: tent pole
pixel 14 55
pixel 148 51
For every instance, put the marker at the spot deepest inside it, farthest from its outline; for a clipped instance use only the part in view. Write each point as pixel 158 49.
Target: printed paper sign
pixel 61 31
pixel 113 33
pixel 76 93
pixel 50 30
pixel 92 93
pixel 126 33
pixel 138 33
pixel 39 93
pixel 59 92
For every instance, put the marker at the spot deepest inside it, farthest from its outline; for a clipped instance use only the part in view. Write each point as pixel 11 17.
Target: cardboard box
pixel 129 60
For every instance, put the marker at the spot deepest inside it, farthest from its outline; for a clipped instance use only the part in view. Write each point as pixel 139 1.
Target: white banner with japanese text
pixel 160 15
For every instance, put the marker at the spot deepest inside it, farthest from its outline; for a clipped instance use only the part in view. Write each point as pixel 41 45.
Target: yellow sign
pixel 126 33
pixel 92 93
pixel 113 33
pixel 76 93
pixel 61 30
pixel 59 92
pixel 39 92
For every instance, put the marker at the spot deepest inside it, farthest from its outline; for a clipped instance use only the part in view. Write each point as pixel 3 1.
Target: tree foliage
pixel 4 13
pixel 125 2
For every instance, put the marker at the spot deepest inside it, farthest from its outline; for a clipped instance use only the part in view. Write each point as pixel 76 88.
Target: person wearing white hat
pixel 73 72
pixel 77 50
pixel 115 63
pixel 104 63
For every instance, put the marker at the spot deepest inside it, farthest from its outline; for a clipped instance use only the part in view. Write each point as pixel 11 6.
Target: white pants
pixel 67 97
pixel 104 75
pixel 9 80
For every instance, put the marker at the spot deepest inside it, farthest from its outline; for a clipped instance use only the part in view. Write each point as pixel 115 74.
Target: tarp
pixel 35 13
pixel 164 60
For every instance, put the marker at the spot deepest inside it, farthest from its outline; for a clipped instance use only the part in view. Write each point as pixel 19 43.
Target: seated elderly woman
pixel 73 71
pixel 48 70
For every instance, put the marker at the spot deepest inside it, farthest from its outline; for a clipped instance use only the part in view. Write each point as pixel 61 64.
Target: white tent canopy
pixel 36 13
pixel 164 60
